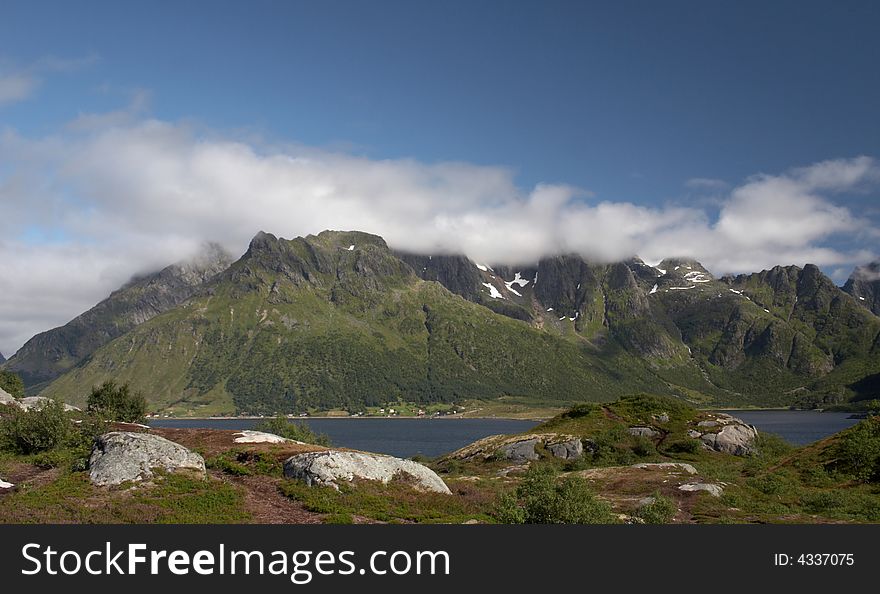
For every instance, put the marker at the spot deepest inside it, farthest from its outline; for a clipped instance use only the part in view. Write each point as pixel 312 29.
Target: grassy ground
pixel 827 482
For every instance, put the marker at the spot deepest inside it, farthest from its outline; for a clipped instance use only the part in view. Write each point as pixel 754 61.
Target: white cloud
pixel 706 184
pixel 120 194
pixel 17 87
pixel 20 82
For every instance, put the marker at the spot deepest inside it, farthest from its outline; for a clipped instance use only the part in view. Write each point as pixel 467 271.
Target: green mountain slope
pixel 337 320
pixel 49 354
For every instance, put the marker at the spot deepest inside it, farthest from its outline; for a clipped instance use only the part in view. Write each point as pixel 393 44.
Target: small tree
pixel 11 383
pixel 858 451
pixel 117 403
pixel 294 430
pixel 541 499
pixel 36 430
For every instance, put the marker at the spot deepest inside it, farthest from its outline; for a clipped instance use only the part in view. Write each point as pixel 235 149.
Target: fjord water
pixel 397 437
pixel 433 437
pixel 797 427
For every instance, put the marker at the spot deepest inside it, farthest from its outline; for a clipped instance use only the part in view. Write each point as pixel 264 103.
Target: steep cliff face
pixel 49 354
pixel 864 285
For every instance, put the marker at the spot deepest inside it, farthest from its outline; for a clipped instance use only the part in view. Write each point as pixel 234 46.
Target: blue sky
pixel 628 99
pixel 742 133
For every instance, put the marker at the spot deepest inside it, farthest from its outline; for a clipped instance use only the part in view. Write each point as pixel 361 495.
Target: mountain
pixel 339 320
pixel 2 359
pixel 864 285
pixel 49 354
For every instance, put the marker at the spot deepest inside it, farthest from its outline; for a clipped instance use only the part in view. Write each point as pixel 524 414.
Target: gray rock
pixel 662 418
pixel 567 450
pixel 330 466
pixel 8 399
pixel 694 434
pixel 644 432
pixel 712 489
pixel 519 451
pixel 38 402
pixel 5 485
pixel 667 466
pixel 737 439
pixel 121 456
pixel 707 424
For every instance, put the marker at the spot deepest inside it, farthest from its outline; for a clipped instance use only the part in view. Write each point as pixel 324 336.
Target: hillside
pixel 340 321
pixel 49 354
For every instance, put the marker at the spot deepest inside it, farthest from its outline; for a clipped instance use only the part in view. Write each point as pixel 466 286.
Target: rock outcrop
pixel 736 438
pixel 644 432
pixel 571 449
pixel 38 402
pixel 8 399
pixel 711 488
pixel 122 456
pixel 519 451
pixel 329 467
pixel 248 436
pixel 522 448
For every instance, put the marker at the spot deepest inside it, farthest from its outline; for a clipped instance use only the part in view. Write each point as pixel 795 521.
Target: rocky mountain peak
pixel 864 285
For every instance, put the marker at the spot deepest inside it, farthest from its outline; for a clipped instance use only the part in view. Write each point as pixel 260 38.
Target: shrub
pixel 11 383
pixel 858 451
pixel 684 446
pixel 36 430
pixel 295 430
pixel 643 447
pixel 540 499
pixel 660 511
pixel 117 403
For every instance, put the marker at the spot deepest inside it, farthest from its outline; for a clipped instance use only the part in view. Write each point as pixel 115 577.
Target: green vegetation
pixel 36 430
pixel 11 383
pixel 117 403
pixel 857 451
pixel 174 499
pixel 542 499
pixel 295 430
pixel 396 502
pixel 660 510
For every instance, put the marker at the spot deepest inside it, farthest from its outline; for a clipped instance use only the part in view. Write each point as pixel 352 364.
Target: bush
pixel 12 384
pixel 684 446
pixel 117 403
pixel 540 499
pixel 36 430
pixel 295 430
pixel 660 511
pixel 858 451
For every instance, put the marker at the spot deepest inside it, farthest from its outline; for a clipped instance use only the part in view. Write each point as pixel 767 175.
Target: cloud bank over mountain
pixel 107 197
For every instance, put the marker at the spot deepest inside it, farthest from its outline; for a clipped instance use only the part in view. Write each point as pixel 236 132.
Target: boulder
pixel 644 432
pixel 248 436
pixel 519 451
pixel 330 466
pixel 707 424
pixel 567 450
pixel 122 456
pixel 712 489
pixel 737 439
pixel 666 466
pixel 662 418
pixel 38 402
pixel 5 485
pixel 694 434
pixel 8 399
